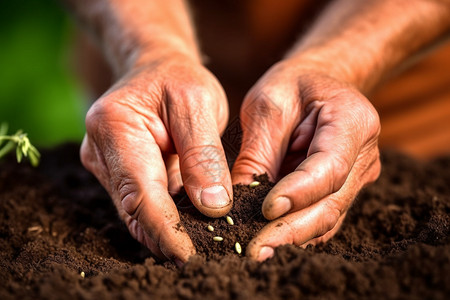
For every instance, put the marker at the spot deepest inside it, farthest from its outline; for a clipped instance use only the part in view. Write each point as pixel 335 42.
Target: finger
pixel 266 131
pixel 330 159
pixel 94 162
pixel 295 228
pixel 326 236
pixel 138 184
pixel 175 181
pixel 141 236
pixel 203 165
pixel 319 221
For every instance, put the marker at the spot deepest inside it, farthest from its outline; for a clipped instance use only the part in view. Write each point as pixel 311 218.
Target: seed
pixel 35 229
pixel 230 220
pixel 82 274
pixel 238 248
pixel 218 238
pixel 210 228
pixel 254 184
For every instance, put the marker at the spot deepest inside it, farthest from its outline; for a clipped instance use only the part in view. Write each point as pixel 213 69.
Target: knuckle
pixel 92 120
pixel 327 113
pixel 93 160
pixel 261 107
pixel 330 217
pixel 340 169
pixel 364 116
pixel 86 157
pixel 96 115
pixel 105 111
pixel 376 169
pixel 199 94
pixel 372 115
pixel 130 199
pixel 372 120
pixel 200 106
pixel 190 93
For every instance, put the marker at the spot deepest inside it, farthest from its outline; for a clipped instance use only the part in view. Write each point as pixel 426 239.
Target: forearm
pixel 132 33
pixel 360 41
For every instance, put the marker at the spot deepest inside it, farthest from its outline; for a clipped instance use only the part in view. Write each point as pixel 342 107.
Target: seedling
pixel 19 141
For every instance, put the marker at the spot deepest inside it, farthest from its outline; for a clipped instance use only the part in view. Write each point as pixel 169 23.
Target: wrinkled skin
pixel 152 133
pixel 305 121
pixel 317 137
pixel 155 129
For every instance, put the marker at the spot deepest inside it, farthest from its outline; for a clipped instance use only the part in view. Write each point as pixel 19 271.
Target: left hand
pixel 318 136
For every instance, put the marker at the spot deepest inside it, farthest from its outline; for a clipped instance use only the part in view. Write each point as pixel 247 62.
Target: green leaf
pixel 25 146
pixel 21 142
pixel 3 131
pixel 19 154
pixel 34 158
pixel 6 148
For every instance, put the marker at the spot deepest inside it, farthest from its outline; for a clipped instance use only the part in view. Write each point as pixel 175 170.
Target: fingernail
pixel 265 253
pixel 215 197
pixel 281 205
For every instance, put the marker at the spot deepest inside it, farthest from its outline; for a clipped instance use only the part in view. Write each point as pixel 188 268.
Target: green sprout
pixel 19 141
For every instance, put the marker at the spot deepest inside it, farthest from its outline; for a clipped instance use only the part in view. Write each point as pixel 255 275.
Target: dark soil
pixel 246 215
pixel 56 222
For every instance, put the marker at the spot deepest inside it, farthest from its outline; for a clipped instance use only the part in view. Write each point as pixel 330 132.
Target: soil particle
pixel 56 222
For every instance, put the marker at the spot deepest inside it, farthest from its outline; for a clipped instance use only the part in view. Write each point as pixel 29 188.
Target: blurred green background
pixel 39 91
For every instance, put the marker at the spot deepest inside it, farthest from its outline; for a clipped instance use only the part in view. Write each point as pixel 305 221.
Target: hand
pixel 318 137
pixel 155 130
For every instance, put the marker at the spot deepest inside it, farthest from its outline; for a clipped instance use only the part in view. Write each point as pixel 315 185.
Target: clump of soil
pixel 56 222
pixel 246 215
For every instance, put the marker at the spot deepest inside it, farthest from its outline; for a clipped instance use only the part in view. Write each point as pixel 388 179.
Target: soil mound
pixel 57 224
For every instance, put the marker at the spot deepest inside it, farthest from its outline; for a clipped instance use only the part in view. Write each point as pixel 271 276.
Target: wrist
pixel 133 57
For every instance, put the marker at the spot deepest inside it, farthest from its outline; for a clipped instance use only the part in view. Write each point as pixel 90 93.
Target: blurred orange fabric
pixel 414 107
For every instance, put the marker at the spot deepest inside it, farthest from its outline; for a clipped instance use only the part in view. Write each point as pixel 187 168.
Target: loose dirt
pixel 56 222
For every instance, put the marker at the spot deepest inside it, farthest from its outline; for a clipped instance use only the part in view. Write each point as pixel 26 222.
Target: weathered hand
pixel 318 137
pixel 156 125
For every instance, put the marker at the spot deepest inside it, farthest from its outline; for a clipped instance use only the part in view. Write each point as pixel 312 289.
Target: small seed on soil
pixel 254 184
pixel 230 220
pixel 238 248
pixel 82 274
pixel 36 229
pixel 218 238
pixel 210 228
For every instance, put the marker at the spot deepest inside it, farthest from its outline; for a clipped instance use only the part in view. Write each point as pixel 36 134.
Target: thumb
pixel 203 165
pixel 264 141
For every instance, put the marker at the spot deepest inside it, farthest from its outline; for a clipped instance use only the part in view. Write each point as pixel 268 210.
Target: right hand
pixel 156 129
